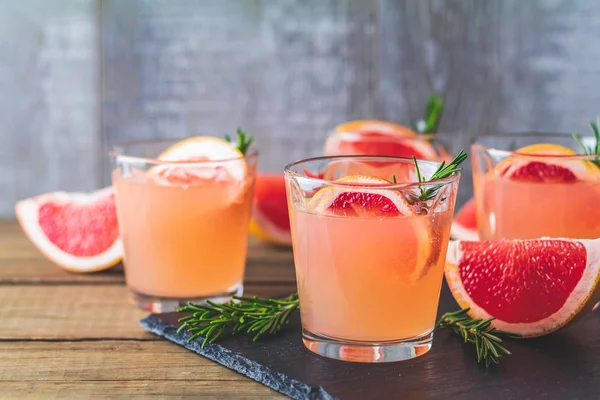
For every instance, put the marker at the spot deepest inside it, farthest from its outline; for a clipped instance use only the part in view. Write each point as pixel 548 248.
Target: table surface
pixel 65 334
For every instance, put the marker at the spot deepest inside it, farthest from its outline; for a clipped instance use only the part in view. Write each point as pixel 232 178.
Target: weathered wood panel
pixel 502 65
pixel 287 71
pixel 83 311
pixel 49 69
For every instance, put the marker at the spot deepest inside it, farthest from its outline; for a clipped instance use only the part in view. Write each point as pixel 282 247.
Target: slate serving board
pixel 565 365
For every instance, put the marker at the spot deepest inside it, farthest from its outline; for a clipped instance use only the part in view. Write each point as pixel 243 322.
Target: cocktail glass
pixel 529 186
pixel 369 254
pixel 184 225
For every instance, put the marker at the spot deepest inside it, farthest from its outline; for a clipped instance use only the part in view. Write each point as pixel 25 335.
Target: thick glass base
pixel 157 304
pixel 367 352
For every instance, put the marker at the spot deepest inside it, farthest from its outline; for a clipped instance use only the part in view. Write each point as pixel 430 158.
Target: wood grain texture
pixel 22 263
pixel 81 76
pixel 287 71
pixel 83 311
pixel 49 111
pixel 119 389
pixel 501 65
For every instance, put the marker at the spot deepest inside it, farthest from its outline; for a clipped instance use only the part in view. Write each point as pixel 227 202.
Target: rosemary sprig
pixel 443 171
pixel 433 115
pixel 479 332
pixel 243 141
pixel 259 317
pixel 241 314
pixel 591 150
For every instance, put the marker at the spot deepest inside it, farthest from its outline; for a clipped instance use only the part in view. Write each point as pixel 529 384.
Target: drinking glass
pixel 369 254
pixel 519 195
pixel 184 225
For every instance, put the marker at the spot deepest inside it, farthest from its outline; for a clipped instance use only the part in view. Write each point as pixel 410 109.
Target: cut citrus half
pixel 229 161
pixel 370 199
pixel 547 170
pixel 270 220
pixel 532 287
pixel 381 138
pixel 77 231
pixel 464 225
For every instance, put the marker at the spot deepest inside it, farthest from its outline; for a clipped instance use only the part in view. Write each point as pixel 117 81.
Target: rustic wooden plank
pixel 285 71
pixel 21 262
pixel 135 368
pixel 49 110
pixel 117 389
pixel 83 311
pixel 501 65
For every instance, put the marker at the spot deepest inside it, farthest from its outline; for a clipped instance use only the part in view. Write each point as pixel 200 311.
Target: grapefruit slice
pixel 372 137
pixel 270 220
pixel 547 170
pixel 77 231
pixel 464 225
pixel 532 287
pixel 202 148
pixel 363 201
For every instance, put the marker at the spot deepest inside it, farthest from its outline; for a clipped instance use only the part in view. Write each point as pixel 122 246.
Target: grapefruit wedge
pixel 464 225
pixel 373 137
pixel 77 231
pixel 532 287
pixel 270 220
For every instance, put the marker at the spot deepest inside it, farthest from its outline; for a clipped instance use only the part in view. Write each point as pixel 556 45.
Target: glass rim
pixel 289 173
pixel 494 150
pixel 118 152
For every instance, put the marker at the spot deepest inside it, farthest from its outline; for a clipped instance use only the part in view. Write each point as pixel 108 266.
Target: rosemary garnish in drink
pixel 243 141
pixel 241 314
pixel 443 171
pixel 479 332
pixel 433 115
pixel 591 150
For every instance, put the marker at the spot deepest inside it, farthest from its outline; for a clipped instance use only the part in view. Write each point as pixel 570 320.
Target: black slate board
pixel 565 365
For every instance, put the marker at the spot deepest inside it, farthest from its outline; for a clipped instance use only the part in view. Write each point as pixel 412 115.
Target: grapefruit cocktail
pixel 369 255
pixel 540 186
pixel 183 211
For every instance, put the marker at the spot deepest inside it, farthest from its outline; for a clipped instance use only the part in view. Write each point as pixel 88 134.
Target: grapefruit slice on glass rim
pixel 464 225
pixel 270 220
pixel 77 231
pixel 200 149
pixel 382 138
pixel 532 287
pixel 552 169
pixel 357 200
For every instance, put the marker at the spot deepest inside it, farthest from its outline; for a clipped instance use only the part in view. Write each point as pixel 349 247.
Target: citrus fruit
pixel 270 220
pixel 464 225
pixel 77 231
pixel 201 150
pixel 557 167
pixel 532 287
pixel 367 197
pixel 372 137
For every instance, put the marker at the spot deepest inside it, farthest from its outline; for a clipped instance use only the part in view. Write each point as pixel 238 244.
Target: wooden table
pixel 68 335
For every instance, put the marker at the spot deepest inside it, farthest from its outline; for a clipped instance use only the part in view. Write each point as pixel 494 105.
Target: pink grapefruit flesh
pixel 77 231
pixel 532 287
pixel 464 225
pixel 270 219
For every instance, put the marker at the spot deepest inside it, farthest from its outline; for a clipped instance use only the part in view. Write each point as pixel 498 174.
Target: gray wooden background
pixel 76 76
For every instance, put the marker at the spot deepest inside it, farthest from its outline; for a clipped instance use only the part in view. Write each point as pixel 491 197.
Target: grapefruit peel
pixel 584 296
pixel 27 212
